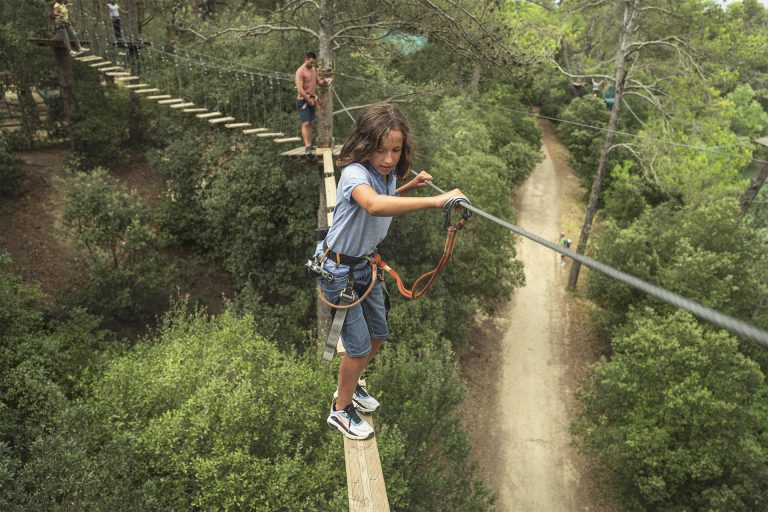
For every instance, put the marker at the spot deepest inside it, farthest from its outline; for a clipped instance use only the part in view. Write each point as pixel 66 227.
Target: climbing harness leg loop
pixel 346 298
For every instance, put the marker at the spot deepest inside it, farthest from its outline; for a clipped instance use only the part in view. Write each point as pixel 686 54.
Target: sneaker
pixel 308 150
pixel 363 402
pixel 349 423
pixel 73 53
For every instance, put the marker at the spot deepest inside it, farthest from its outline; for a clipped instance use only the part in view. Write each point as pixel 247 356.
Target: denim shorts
pixel 306 111
pixel 368 320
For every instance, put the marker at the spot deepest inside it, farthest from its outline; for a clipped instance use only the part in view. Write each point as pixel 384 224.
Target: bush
pixel 127 278
pixel 100 126
pixel 679 416
pixel 10 174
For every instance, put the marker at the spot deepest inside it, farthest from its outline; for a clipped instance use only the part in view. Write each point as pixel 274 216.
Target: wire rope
pixel 713 316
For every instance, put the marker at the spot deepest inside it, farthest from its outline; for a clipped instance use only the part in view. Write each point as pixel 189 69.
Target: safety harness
pixel 347 298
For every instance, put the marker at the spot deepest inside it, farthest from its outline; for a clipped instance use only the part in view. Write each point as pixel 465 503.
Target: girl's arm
pixel 380 205
pixel 419 181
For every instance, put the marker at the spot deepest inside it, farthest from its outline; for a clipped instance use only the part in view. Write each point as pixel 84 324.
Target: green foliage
pixel 584 143
pixel 127 276
pixel 250 209
pixel 419 375
pixel 10 174
pixel 678 414
pixel 625 199
pixel 748 118
pixel 702 252
pixel 38 367
pixel 209 416
pixel 102 114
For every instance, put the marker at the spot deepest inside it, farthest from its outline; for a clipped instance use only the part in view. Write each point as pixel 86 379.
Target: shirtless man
pixel 306 101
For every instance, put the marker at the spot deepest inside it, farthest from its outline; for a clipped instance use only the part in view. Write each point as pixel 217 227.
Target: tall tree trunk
pixel 30 119
pixel 133 47
pixel 64 66
pixel 631 9
pixel 325 70
pixel 324 137
pixel 753 189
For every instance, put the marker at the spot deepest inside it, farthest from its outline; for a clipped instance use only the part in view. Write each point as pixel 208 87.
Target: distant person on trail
pixel 114 13
pixel 62 24
pixel 566 243
pixel 377 153
pixel 306 101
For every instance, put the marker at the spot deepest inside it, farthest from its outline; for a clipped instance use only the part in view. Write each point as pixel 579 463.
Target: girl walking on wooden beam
pixel 378 151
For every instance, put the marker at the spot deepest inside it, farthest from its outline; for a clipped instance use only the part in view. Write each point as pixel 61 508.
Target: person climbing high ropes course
pixel 378 151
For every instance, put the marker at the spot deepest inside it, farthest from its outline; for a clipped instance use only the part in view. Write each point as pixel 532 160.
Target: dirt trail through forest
pixel 523 366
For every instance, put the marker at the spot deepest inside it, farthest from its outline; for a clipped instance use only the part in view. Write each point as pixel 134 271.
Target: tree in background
pixel 125 278
pixel 679 416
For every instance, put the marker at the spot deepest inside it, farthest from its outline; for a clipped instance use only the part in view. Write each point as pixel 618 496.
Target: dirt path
pixel 523 367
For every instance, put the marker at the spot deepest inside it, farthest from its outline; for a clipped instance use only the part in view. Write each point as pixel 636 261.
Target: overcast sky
pixel 726 2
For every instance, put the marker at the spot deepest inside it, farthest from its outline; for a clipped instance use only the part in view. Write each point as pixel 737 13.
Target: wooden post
pixel 133 47
pixel 324 218
pixel 325 70
pixel 324 139
pixel 64 66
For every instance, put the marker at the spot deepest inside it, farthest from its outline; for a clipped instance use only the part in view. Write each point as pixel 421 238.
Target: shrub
pixel 127 278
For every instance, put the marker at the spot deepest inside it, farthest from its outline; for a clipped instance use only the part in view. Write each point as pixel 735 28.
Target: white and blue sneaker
pixel 349 423
pixel 364 402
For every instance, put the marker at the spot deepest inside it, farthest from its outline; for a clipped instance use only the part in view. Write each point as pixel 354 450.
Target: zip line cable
pixel 715 317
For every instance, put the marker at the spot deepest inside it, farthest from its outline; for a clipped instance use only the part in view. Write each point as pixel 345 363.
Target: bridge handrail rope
pixel 713 316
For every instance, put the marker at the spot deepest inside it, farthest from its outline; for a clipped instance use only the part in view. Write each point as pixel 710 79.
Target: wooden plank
pixel 89 58
pixel 329 183
pixel 255 130
pixel 194 110
pixel 270 134
pixel 146 91
pixel 220 120
pixel 365 479
pixel 208 115
pixel 126 78
pixel 763 141
pixel 237 125
pixel 183 105
pixel 117 73
pixel 101 64
pixel 299 152
pixel 171 102
pixel 137 86
pixel 287 139
pixel 160 97
pixel 113 68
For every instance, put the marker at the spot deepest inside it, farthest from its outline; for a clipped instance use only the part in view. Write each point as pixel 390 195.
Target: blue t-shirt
pixel 354 231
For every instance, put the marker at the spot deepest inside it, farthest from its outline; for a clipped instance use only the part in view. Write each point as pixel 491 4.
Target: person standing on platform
pixel 306 101
pixel 62 24
pixel 114 13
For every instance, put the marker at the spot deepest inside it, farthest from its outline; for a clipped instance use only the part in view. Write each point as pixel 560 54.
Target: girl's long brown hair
pixel 372 126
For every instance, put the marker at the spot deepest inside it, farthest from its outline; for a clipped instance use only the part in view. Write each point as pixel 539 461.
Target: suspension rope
pixel 715 317
pixel 341 103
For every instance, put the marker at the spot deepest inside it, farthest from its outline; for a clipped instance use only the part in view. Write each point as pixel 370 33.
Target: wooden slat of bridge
pixel 300 151
pixel 365 480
